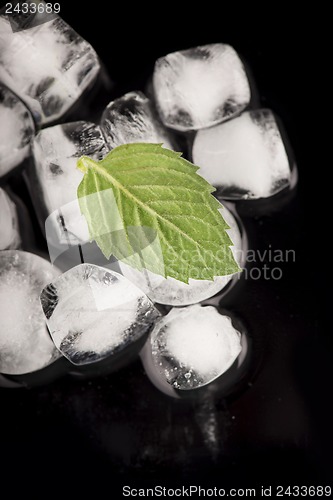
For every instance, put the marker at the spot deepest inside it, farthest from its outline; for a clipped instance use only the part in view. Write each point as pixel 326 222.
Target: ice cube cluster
pixel 200 98
pixel 239 152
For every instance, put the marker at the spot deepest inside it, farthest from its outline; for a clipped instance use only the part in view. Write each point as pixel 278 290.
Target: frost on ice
pixel 93 312
pixel 131 118
pixel 200 87
pixel 9 224
pixel 192 346
pixel 16 130
pixel 245 157
pixel 177 293
pixel 56 151
pixel 25 344
pixel 48 66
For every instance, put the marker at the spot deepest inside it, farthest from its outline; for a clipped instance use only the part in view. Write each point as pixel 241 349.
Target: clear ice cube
pixel 25 344
pixel 54 178
pixel 170 291
pixel 16 130
pixel 131 118
pixel 245 157
pixel 9 224
pixel 192 346
pixel 93 312
pixel 200 87
pixel 48 65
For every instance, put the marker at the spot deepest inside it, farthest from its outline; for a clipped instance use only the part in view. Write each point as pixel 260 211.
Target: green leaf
pixel 146 205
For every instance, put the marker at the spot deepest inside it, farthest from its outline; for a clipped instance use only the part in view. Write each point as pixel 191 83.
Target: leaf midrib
pixel 119 186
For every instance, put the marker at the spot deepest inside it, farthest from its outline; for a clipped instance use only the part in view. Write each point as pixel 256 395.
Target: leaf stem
pixel 84 163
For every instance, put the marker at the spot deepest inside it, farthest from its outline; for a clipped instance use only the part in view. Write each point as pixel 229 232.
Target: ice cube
pixel 131 118
pixel 25 344
pixel 93 312
pixel 9 224
pixel 192 346
pixel 16 130
pixel 55 176
pixel 176 293
pixel 48 65
pixel 245 157
pixel 200 87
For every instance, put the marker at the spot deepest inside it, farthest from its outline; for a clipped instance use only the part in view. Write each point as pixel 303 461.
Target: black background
pixel 119 429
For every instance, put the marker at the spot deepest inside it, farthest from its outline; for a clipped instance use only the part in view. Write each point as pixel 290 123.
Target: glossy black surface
pixel 117 430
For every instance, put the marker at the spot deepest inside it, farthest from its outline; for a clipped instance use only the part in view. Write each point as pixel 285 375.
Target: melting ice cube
pixel 9 224
pixel 56 151
pixel 192 346
pixel 131 118
pixel 200 87
pixel 48 65
pixel 245 157
pixel 173 292
pixel 93 312
pixel 16 130
pixel 25 344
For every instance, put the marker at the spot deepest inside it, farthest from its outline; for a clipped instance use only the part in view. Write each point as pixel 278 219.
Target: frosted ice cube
pixel 192 346
pixel 16 130
pixel 93 312
pixel 33 13
pixel 131 118
pixel 200 87
pixel 25 344
pixel 9 224
pixel 245 157
pixel 48 66
pixel 176 293
pixel 56 151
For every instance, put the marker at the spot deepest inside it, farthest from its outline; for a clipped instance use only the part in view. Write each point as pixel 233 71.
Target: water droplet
pixel 187 375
